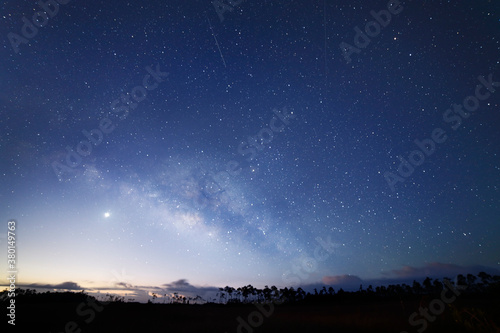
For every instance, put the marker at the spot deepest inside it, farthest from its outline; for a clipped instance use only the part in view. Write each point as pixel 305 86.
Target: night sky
pixel 173 145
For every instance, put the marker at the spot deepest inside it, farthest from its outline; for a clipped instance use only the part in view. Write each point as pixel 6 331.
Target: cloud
pixel 342 280
pixel 179 284
pixel 65 285
pixel 124 285
pixel 184 287
pixel 437 270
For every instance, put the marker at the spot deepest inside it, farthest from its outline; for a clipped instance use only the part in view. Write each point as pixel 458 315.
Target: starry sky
pixel 191 144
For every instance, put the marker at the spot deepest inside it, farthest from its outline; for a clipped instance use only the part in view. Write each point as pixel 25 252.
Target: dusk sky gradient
pixel 150 206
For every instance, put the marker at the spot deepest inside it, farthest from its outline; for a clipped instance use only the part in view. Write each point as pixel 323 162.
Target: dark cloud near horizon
pixel 125 285
pixel 69 285
pixel 179 284
pixel 184 287
pixel 439 270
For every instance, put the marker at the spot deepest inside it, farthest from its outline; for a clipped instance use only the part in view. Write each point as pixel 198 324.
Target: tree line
pixel 483 285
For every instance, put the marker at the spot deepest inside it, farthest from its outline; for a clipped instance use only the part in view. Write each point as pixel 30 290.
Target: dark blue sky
pixel 109 164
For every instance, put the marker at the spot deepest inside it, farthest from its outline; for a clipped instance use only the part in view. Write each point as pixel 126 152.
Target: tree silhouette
pixel 471 279
pixel 229 291
pixel 301 294
pixel 246 291
pixel 427 285
pixel 276 292
pixel 221 294
pixel 485 278
pixel 461 280
pixel 438 286
pixel 417 288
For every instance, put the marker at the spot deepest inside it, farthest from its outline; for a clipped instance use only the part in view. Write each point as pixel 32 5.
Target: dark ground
pixel 340 316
